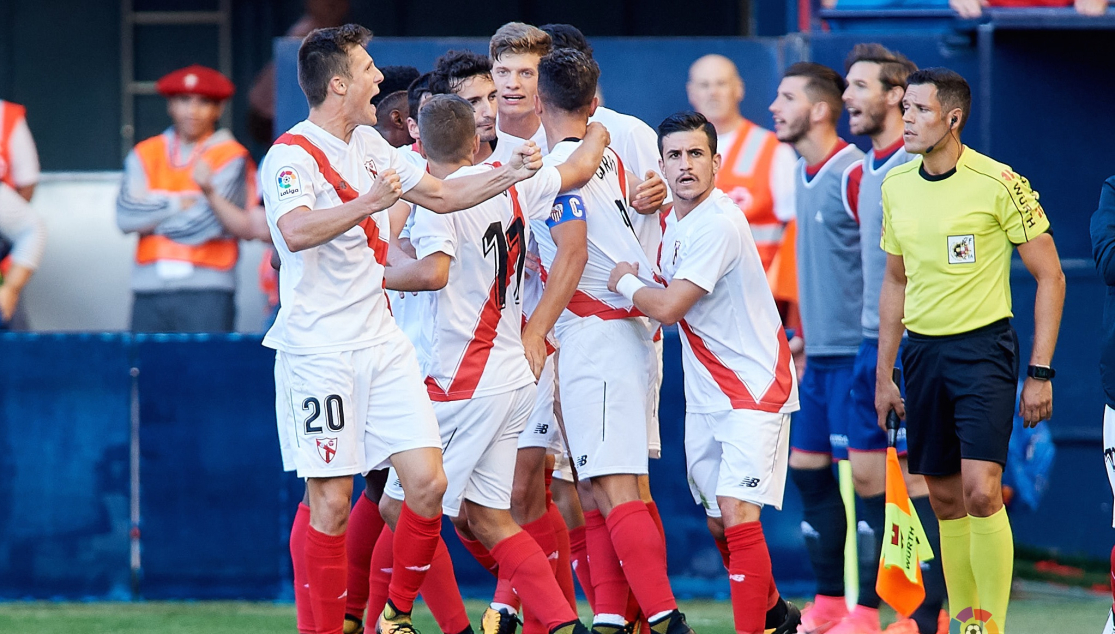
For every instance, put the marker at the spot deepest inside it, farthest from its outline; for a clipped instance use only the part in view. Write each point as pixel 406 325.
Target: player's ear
pixel 715 163
pixel 475 144
pixel 337 86
pixel 537 104
pixel 895 95
pixel 594 105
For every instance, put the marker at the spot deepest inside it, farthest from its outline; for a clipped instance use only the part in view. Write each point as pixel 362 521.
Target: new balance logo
pixel 419 568
pixel 542 429
pixel 737 578
pixel 750 483
pixel 582 460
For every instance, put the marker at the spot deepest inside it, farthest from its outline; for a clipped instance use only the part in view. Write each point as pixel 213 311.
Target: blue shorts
pixel 826 407
pixel 864 433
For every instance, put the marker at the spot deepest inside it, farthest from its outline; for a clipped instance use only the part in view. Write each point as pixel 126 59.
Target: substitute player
pixel 1103 249
pixel 830 282
pixel 349 395
pixel 605 412
pixel 479 378
pixel 876 82
pixel 740 384
pixel 948 282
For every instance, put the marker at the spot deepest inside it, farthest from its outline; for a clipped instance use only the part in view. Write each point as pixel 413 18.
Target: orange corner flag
pixel 904 546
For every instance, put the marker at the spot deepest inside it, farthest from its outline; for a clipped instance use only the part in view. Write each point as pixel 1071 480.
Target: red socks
pixel 298 564
pixel 652 508
pixel 642 553
pixel 326 572
pixel 725 556
pixel 413 552
pixel 749 576
pixel 523 563
pixel 608 583
pixel 564 566
pixel 364 527
pixel 379 575
pixel 479 553
pixel 578 554
pixel 441 594
pixel 543 533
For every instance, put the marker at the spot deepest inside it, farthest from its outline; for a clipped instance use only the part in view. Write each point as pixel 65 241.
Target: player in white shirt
pixel 349 395
pixel 479 378
pixel 740 384
pixel 605 412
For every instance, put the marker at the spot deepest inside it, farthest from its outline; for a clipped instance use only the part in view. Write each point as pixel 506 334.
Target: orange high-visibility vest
pixel 10 115
pixel 745 177
pixel 162 175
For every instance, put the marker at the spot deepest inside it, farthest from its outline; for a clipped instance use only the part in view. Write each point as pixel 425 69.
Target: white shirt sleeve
pixel 24 157
pixel 433 233
pixel 288 177
pixel 710 254
pixel 537 193
pixel 642 144
pixel 409 172
pixel 783 170
pixel 23 227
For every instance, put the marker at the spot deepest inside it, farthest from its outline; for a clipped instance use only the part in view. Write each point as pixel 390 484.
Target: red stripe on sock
pixel 526 566
pixel 364 526
pixel 302 604
pixel 479 553
pixel 578 555
pixel 441 594
pixel 642 554
pixel 415 543
pixel 327 574
pixel 379 572
pixel 749 576
pixel 564 566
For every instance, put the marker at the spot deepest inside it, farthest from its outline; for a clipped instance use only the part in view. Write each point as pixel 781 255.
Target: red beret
pixel 196 80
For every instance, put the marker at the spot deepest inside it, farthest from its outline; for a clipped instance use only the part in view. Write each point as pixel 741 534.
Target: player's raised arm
pixel 304 228
pixel 430 273
pixel 461 193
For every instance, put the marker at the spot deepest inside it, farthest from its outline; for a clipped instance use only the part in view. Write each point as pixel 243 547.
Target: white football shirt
pixel 331 296
pixel 476 343
pixel 602 203
pixel 506 144
pixel 735 353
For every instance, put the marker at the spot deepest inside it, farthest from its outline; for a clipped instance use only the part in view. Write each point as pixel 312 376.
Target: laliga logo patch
pixel 973 621
pixel 288 182
pixel 962 249
pixel 327 448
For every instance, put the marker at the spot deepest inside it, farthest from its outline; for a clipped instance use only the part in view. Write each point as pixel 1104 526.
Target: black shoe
pixel 790 622
pixel 672 623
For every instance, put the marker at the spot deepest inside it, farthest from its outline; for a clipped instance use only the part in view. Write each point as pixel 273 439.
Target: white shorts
pixel 654 439
pixel 344 413
pixel 478 438
pixel 1109 450
pixel 562 469
pixel 604 367
pixel 738 453
pixel 541 427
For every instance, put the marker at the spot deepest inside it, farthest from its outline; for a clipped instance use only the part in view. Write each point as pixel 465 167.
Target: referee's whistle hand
pixel 887 398
pixel 1036 403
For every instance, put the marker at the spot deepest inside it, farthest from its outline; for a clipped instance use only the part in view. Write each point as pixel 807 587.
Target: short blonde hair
pixel 517 38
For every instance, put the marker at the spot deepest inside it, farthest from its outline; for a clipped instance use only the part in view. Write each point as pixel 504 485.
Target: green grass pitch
pixel 1034 616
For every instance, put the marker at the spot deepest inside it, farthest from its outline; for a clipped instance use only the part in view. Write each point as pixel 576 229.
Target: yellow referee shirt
pixel 955 233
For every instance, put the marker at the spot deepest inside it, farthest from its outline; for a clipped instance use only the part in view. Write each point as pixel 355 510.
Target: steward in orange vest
pixel 184 278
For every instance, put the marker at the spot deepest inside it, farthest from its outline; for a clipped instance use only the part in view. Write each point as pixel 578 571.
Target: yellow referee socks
pixel 992 563
pixel 956 562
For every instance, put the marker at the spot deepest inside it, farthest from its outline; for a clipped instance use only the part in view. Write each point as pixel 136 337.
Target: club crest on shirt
pixel 677 247
pixel 962 249
pixel 288 182
pixel 370 165
pixel 326 448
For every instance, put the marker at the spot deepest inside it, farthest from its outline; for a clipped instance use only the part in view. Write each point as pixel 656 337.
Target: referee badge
pixel 962 249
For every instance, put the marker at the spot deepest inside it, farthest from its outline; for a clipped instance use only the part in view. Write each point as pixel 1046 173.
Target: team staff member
pixel 184 279
pixel 740 384
pixel 951 219
pixel 876 82
pixel 349 395
pixel 831 280
pixel 19 160
pixel 1103 248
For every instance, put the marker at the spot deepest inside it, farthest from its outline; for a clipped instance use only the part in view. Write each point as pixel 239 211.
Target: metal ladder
pixel 130 88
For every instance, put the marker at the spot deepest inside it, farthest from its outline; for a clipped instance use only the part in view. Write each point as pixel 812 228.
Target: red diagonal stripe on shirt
pixel 476 355
pixel 344 191
pixel 584 305
pixel 734 388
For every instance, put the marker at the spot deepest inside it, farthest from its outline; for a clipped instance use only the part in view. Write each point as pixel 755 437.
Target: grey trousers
pixel 184 311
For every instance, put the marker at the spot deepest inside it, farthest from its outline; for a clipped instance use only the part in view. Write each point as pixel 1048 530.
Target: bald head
pixel 716 90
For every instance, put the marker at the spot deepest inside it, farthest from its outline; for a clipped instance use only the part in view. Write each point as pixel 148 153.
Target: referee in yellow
pixel 951 219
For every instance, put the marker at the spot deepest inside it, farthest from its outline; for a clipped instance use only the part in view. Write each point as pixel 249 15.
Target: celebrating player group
pixel 476 267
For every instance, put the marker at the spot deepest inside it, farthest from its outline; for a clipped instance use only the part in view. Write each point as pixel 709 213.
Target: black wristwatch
pixel 1040 372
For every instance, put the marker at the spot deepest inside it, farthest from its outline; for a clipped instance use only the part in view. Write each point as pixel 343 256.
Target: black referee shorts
pixel 960 397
